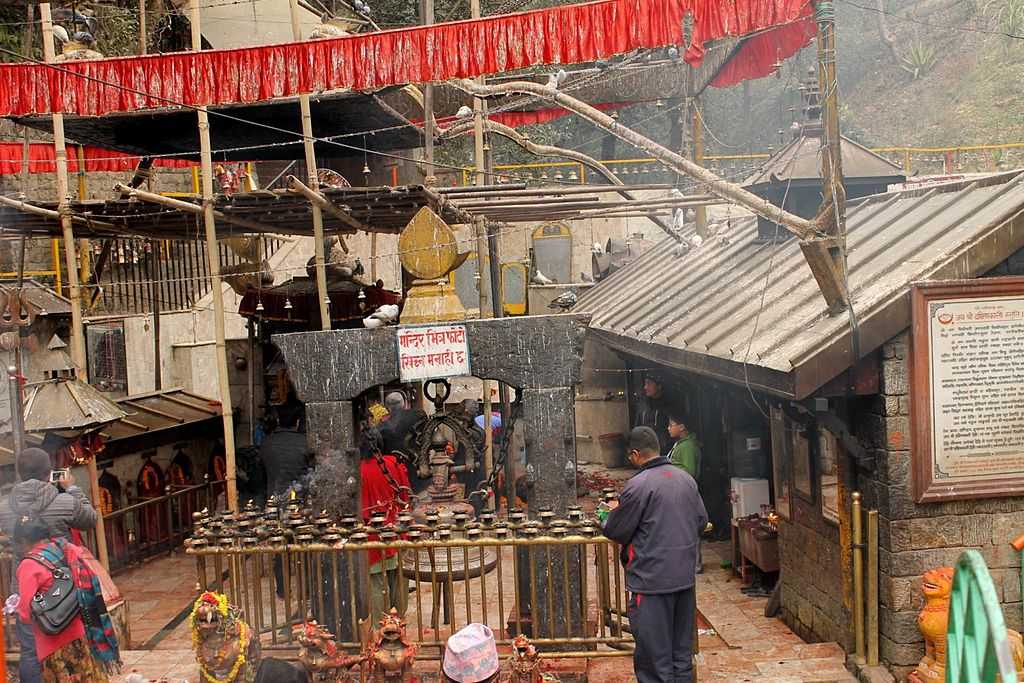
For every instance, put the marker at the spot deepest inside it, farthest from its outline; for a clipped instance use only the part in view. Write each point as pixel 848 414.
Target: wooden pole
pixel 482 252
pixel 213 256
pixel 698 158
pixel 142 27
pixel 313 182
pixel 427 12
pixel 71 259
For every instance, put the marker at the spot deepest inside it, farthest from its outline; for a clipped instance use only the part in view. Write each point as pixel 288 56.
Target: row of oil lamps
pixel 293 524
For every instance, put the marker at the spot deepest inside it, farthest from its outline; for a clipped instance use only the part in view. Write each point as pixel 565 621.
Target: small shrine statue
pixel 226 649
pixel 320 656
pixel 391 655
pixel 524 664
pixel 933 622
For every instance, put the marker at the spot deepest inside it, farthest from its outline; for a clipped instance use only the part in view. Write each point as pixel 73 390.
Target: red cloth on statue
pixel 379 496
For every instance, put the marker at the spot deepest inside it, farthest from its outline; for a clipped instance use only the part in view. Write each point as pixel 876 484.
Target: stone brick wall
pixel 914 538
pixel 811 576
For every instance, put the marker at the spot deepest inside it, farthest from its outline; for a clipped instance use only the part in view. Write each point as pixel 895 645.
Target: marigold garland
pixel 220 602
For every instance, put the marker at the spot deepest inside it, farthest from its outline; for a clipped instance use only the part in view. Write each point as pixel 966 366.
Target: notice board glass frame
pixel 965 338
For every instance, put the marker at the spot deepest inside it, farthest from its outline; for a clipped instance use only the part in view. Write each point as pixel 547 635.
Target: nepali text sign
pixel 432 352
pixel 968 390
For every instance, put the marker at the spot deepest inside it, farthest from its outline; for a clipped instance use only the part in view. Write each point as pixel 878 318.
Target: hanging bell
pixel 544 175
pixel 259 306
pixel 558 175
pixel 366 168
pixel 288 304
pixel 573 176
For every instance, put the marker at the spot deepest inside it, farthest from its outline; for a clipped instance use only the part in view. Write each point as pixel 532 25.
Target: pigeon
pixel 386 314
pixel 696 241
pixel 556 79
pixel 680 250
pixel 463 112
pixel 724 240
pixel 60 34
pixel 603 64
pixel 678 219
pixel 597 249
pixel 540 278
pixel 673 52
pixel 564 301
pixel 585 278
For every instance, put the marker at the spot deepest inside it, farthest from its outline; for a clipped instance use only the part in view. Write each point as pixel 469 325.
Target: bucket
pixel 613 449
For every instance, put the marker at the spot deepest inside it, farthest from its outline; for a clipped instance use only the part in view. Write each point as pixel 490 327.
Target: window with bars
pixel 108 367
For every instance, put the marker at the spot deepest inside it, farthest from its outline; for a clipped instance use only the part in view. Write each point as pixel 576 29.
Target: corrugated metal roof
pixel 801 160
pixel 702 311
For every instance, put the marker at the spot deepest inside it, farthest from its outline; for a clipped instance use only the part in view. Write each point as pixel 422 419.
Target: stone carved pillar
pixel 548 417
pixel 336 486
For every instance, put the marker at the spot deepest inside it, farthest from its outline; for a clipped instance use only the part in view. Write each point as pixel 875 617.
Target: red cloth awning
pixel 41 159
pixel 759 55
pixel 464 49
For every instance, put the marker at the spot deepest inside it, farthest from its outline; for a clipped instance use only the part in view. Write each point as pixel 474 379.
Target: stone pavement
pixel 744 646
pixel 756 648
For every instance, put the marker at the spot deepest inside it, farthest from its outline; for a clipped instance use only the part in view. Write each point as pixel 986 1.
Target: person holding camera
pixel 57 508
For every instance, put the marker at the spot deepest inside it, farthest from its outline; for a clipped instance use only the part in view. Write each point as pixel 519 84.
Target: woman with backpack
pixel 61 597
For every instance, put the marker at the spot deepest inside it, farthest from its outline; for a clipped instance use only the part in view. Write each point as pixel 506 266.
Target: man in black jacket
pixel 658 520
pixel 62 507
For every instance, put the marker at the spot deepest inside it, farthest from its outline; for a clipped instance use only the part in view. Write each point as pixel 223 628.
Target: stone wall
pixel 914 538
pixel 811 575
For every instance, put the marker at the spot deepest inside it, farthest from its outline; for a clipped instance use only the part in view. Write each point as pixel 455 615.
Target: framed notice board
pixel 967 388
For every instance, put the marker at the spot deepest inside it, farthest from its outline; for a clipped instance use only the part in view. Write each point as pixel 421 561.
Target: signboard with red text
pixel 432 352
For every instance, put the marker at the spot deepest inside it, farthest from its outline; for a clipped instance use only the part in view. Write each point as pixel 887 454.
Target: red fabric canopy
pixel 41 159
pixel 759 56
pixel 465 49
pixel 713 19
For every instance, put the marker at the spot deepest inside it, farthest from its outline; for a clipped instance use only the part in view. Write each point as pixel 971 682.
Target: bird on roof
pixel 464 112
pixel 585 278
pixel 564 301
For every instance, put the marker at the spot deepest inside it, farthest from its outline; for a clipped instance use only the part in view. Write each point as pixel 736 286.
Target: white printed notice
pixel 976 368
pixel 432 351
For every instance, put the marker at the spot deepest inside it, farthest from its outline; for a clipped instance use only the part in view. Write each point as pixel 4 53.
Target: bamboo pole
pixel 698 158
pixel 214 258
pixel 71 259
pixel 84 253
pixel 181 205
pixel 313 182
pixel 801 227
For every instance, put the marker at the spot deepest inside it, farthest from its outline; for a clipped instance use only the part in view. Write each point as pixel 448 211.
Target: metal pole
pixel 312 181
pixel 858 577
pixel 250 366
pixel 154 295
pixel 71 259
pixel 218 294
pixel 17 413
pixel 872 646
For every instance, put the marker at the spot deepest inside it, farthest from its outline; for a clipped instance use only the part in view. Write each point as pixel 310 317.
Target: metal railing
pixel 560 584
pixel 154 526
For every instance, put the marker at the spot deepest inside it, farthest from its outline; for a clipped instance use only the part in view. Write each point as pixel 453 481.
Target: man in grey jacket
pixel 62 509
pixel 658 520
